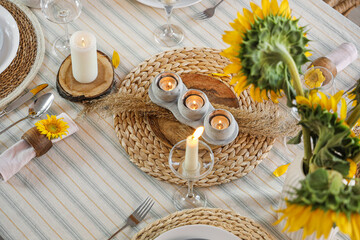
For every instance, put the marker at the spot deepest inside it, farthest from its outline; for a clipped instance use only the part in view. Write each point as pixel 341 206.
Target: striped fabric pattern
pixel 85 186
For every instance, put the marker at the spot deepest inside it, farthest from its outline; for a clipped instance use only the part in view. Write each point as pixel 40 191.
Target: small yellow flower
pixel 52 127
pixel 314 78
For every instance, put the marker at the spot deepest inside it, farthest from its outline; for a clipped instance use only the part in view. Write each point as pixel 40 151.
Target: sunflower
pixel 322 201
pixel 267 48
pixel 52 127
pixel 330 103
pixel 317 220
pixel 354 94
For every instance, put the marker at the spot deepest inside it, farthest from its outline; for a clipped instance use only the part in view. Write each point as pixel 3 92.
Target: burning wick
pixel 83 42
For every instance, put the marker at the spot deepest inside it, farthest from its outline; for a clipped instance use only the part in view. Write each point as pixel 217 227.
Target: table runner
pixel 85 186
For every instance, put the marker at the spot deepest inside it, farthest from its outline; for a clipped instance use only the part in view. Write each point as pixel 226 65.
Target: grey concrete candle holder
pixel 174 101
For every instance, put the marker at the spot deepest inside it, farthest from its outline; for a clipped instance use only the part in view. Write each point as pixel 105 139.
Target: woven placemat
pixel 146 150
pixel 242 227
pixel 343 6
pixel 29 56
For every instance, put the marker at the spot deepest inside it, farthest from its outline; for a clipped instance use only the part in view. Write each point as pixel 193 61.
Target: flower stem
pixel 354 116
pixel 286 57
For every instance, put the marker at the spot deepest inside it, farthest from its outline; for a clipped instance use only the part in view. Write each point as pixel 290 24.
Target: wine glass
pixel 169 35
pixel 61 12
pixel 188 197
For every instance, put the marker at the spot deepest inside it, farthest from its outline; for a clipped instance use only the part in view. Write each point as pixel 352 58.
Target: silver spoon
pixel 41 105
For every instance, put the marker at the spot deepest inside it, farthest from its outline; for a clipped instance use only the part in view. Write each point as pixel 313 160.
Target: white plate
pixel 197 231
pixel 157 4
pixel 1 37
pixel 11 37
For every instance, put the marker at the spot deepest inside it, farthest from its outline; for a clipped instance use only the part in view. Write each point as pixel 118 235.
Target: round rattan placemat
pixel 29 57
pixel 150 154
pixel 242 227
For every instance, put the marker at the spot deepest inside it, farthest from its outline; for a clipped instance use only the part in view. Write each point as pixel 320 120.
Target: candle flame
pixel 220 125
pixel 83 42
pixel 198 132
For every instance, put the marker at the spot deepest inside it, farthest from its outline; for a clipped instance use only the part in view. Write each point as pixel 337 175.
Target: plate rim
pixel 38 60
pixel 158 5
pixel 198 225
pixel 14 38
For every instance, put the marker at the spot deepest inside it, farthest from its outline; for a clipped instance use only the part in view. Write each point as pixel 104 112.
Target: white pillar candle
pixel 191 162
pixel 84 56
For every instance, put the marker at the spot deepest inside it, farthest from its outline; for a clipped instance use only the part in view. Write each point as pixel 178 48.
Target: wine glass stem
pixel 190 189
pixel 67 36
pixel 168 10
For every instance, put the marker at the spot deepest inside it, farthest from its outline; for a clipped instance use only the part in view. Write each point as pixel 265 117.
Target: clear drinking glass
pixel 188 197
pixel 61 12
pixel 169 35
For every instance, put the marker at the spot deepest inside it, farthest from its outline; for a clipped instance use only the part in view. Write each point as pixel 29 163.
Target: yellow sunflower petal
pixel 258 95
pixel 232 68
pixel 343 109
pixel 252 91
pixel 284 6
pixel 115 59
pixel 274 96
pixel 303 101
pixel 265 7
pixel 274 9
pixel 249 15
pixel 264 94
pixel 308 54
pixel 244 21
pixel 257 10
pixel 281 170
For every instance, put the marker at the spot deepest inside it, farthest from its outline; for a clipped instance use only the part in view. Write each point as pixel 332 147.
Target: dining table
pixel 86 186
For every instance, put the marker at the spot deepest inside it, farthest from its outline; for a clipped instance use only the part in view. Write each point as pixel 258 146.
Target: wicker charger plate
pixel 242 227
pixel 29 57
pixel 151 154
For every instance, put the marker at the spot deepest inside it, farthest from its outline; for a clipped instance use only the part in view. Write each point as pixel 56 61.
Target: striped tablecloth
pixel 86 186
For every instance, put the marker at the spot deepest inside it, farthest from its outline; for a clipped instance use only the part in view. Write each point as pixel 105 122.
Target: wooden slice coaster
pixel 170 132
pixel 72 90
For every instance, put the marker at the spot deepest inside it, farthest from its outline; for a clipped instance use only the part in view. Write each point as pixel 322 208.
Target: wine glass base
pixel 182 201
pixel 61 47
pixel 167 38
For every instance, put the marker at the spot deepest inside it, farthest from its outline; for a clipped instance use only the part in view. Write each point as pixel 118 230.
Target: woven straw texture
pixel 242 227
pixel 146 150
pixel 29 56
pixel 343 6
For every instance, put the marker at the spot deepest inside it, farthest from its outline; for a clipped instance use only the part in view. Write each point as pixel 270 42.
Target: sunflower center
pixel 53 128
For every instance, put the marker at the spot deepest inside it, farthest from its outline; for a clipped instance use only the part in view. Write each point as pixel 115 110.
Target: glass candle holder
pixel 188 197
pixel 220 125
pixel 193 104
pixel 167 86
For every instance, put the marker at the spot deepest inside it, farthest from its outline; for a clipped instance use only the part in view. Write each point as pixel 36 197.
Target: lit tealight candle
pixel 220 122
pixel 191 163
pixel 194 102
pixel 84 56
pixel 167 83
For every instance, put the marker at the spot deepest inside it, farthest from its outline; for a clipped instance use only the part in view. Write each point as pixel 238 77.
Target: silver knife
pixel 21 100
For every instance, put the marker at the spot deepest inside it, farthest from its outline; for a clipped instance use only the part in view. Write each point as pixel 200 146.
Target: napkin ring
pixel 38 141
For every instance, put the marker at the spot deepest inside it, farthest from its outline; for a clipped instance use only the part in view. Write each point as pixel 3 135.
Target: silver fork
pixel 137 216
pixel 208 13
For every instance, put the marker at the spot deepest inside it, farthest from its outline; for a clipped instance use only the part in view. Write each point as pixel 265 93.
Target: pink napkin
pixel 18 155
